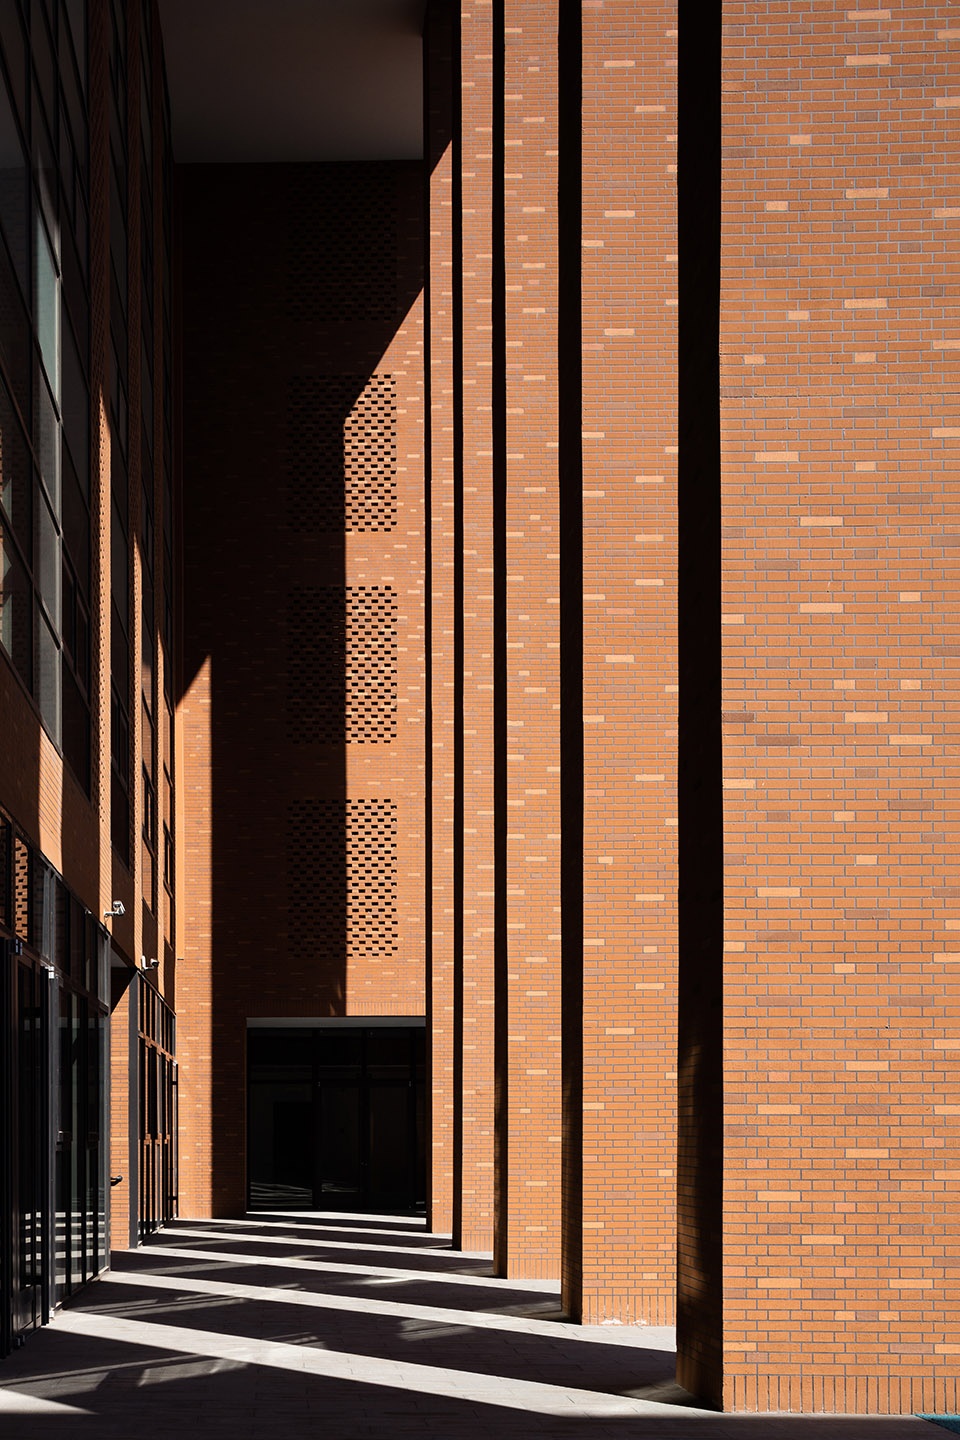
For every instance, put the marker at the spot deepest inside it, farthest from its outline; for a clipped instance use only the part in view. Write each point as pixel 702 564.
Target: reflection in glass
pixel 16 609
pixel 337 1117
pixel 48 678
pixel 48 567
pixel 46 437
pixel 46 307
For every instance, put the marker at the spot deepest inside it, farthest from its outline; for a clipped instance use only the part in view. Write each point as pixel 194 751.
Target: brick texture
pixel 839 289
pixel 629 676
pixel 473 1220
pixel 528 1237
pixel 441 379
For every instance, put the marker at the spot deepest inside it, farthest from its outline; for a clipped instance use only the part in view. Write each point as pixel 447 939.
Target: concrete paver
pixel 347 1327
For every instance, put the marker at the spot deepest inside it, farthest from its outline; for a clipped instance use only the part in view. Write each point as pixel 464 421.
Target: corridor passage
pixel 342 1327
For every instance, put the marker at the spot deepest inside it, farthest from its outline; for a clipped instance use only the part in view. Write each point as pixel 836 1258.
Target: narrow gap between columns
pixel 700 755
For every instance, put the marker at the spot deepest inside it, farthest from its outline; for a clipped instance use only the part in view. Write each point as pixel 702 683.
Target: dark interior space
pixel 336 1118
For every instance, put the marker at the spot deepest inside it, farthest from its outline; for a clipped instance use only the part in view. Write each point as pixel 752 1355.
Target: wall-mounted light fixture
pixel 116 908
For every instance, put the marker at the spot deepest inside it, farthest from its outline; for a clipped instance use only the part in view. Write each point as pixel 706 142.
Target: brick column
pixel 839 569
pixel 440 382
pixel 529 1121
pixel 620 1260
pixel 473 1197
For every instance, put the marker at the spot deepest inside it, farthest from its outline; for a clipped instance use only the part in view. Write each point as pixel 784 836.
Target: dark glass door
pixel 31 1167
pixel 336 1118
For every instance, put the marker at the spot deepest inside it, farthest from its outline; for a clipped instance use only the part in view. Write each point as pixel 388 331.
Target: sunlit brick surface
pixel 629 629
pixel 841 514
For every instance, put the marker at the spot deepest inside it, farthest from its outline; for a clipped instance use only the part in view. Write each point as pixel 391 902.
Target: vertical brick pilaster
pixel 629 664
pixel 529 1121
pixel 473 1198
pixel 839 513
pixel 440 359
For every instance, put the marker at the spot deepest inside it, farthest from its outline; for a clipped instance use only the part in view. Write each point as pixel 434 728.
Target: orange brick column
pixel 623 1268
pixel 439 469
pixel 840 579
pixel 529 1121
pixel 473 1198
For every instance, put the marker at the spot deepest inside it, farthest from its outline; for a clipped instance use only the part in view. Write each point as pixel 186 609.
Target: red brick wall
pixel 303 393
pixel 839 288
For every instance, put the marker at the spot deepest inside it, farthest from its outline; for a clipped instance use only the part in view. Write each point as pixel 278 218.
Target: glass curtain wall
pixel 53 1072
pixel 45 563
pixel 158 1109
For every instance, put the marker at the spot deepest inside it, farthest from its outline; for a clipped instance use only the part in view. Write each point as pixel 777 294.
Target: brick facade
pixel 570 547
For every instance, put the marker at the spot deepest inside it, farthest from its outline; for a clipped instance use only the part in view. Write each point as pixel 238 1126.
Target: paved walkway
pixel 347 1327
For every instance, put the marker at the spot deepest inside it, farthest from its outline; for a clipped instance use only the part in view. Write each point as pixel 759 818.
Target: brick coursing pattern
pixel 841 174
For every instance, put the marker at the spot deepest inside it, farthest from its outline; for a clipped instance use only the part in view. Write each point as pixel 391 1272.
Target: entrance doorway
pixel 336 1117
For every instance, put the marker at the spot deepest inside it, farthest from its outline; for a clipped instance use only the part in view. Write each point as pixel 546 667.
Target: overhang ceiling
pixel 294 80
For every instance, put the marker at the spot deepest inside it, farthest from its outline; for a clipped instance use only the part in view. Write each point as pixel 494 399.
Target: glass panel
pixel 340 1163
pixel 118 233
pixel 15 343
pixel 64 1147
pixel 76 730
pixel 78 1149
pixel 146 394
pixel 119 659
pixel 339 1053
pixel 14 52
pixel 76 403
pixel 29 1083
pixel 46 436
pixel 77 13
pixel 16 471
pixel 75 107
pixel 280 1159
pixel 76 525
pixel 45 165
pixel 92 1204
pixel 47 564
pixel 388 1054
pixel 43 59
pixel 74 287
pixel 48 678
pixel 14 204
pixel 391 1145
pixel 16 610
pixel 46 307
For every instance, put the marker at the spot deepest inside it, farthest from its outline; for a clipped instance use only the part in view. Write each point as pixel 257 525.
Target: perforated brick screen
pixel 342 247
pixel 341 456
pixel 342 665
pixel 342 877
